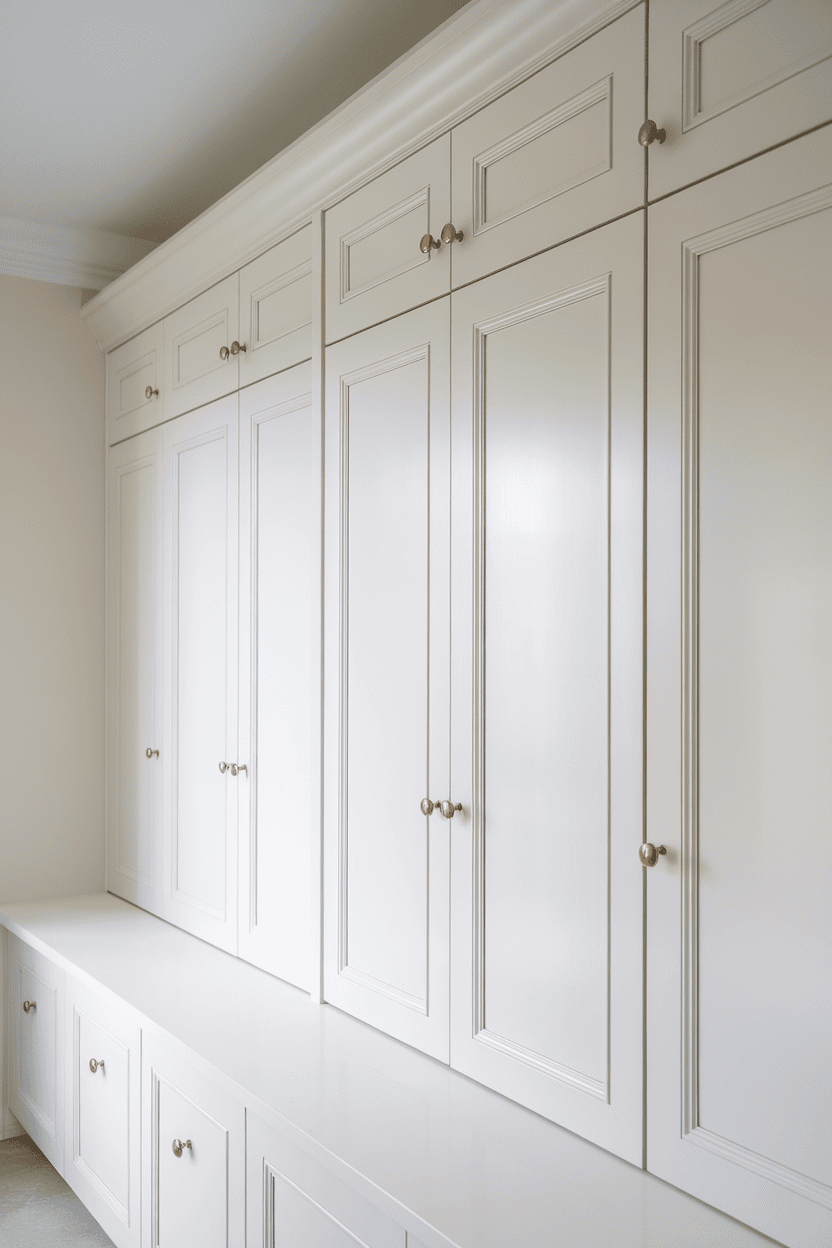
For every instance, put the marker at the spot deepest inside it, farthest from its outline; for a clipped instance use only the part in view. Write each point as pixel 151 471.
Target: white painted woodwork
pixel 455 1164
pixel 740 680
pixel 194 336
pixel 35 1053
pixel 292 1200
pixel 387 676
pixel 199 1197
pixel 280 670
pixel 103 1119
pixel 134 676
pixel 131 368
pixel 546 995
pixel 732 79
pixel 374 268
pixel 277 298
pixel 553 157
pixel 200 687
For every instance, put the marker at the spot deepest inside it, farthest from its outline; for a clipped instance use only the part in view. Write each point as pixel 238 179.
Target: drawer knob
pixel 428 244
pixel 179 1145
pixel 450 234
pixel 650 132
pixel 150 753
pixel 149 392
pixel 29 1005
pixel 94 1064
pixel 649 854
pixel 448 809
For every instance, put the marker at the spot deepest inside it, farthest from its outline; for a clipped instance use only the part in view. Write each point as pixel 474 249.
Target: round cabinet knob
pixel 151 753
pixel 649 854
pixel 224 353
pixel 649 132
pixel 149 392
pixel 448 809
pixel 426 806
pixel 237 347
pixel 236 768
pixel 450 234
pixel 223 768
pixel 94 1064
pixel 428 244
pixel 179 1145
pixel 29 1005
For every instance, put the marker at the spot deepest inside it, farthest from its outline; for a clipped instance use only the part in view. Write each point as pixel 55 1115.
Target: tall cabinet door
pixel 280 670
pixel 546 981
pixel 200 741
pixel 387 679
pixel 739 691
pixel 134 626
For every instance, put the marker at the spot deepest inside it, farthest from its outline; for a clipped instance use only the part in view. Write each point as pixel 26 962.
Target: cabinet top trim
pixel 478 54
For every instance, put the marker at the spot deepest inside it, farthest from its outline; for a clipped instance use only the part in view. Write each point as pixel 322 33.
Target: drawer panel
pixel 195 335
pixel 133 369
pixel 374 266
pixel 277 303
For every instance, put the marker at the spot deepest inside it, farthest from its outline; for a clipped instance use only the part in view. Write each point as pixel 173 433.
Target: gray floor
pixel 37 1208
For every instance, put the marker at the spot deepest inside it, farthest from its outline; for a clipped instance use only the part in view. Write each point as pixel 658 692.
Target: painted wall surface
pixel 51 595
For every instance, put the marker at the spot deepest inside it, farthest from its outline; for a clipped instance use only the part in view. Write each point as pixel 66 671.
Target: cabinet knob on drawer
pixel 94 1064
pixel 649 132
pixel 448 809
pixel 179 1145
pixel 450 234
pixel 237 347
pixel 649 854
pixel 29 1005
pixel 151 753
pixel 428 244
pixel 149 392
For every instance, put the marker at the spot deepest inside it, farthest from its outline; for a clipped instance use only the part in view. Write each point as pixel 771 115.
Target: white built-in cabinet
pixel 567 510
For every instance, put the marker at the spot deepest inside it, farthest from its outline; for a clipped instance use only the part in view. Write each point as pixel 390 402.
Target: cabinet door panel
pixel 553 157
pixel 195 373
pixel 201 686
pixel 276 305
pixel 740 681
pixel 551 421
pixel 728 80
pixel 280 670
pixel 131 368
pixel 134 622
pixel 35 1059
pixel 387 432
pixel 374 268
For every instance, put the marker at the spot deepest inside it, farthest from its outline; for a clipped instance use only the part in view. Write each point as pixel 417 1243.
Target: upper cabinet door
pixel 739 688
pixel 277 301
pixel 387 664
pixel 134 626
pixel 134 385
pixel 375 267
pixel 554 157
pixel 729 80
pixel 202 349
pixel 280 670
pixel 546 761
pixel 200 737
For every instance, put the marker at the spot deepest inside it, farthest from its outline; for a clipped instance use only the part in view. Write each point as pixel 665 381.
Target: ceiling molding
pixel 67 255
pixel 477 55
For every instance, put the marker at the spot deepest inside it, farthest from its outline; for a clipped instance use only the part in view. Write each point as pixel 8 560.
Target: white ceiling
pixel 134 118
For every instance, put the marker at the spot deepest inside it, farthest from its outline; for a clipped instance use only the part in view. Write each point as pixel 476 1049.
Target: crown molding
pixel 69 255
pixel 477 55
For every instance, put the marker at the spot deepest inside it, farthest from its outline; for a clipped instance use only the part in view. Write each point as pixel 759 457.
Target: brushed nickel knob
pixel 448 809
pixel 427 807
pixel 94 1064
pixel 151 753
pixel 29 1005
pixel 649 854
pixel 649 132
pixel 428 244
pixel 450 234
pixel 179 1145
pixel 149 392
pixel 224 353
pixel 235 768
pixel 223 768
pixel 237 347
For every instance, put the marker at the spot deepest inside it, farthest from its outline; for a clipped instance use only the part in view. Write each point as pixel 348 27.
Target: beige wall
pixel 51 594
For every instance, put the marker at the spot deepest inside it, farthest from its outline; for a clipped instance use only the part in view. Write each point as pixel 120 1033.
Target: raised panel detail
pixel 385 246
pixel 277 304
pixel 196 352
pixel 102 1143
pixel 746 47
pixel 132 382
pixel 132 369
pixel 281 306
pixel 192 1191
pixel 36 1074
pixel 193 337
